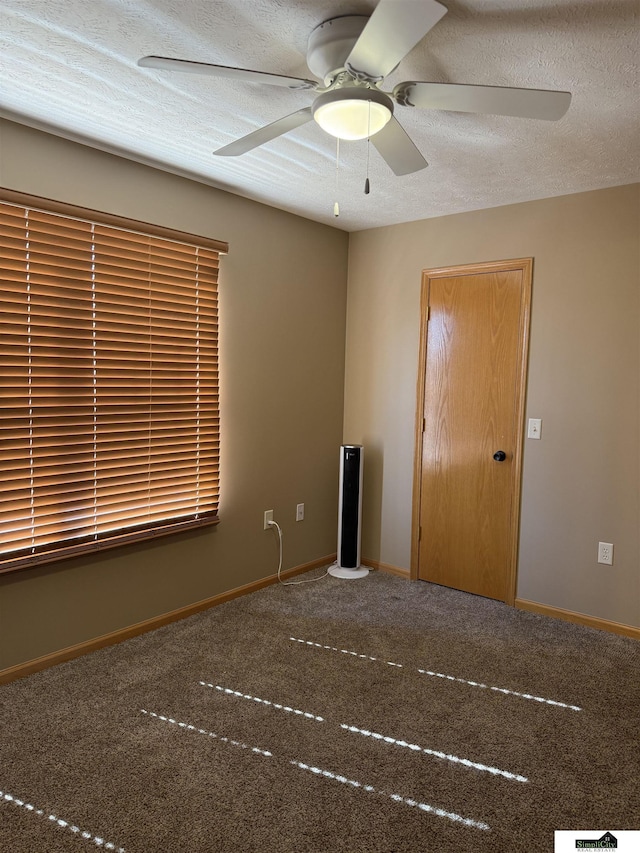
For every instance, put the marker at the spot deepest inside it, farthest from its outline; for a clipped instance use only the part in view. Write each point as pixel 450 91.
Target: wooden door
pixel 470 414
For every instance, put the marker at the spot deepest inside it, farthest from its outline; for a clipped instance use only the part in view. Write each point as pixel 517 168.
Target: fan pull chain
pixel 336 206
pixel 367 186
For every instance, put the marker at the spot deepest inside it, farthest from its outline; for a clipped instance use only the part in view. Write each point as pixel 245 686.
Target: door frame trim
pixel 525 265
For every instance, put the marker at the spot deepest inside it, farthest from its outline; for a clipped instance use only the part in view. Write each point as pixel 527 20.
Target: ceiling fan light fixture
pixel 352 113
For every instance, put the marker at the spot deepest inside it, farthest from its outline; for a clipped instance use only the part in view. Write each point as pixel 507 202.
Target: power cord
pixel 290 583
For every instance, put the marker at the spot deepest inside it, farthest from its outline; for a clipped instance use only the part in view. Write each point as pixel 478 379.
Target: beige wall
pixel 283 306
pixel 581 480
pixel 283 302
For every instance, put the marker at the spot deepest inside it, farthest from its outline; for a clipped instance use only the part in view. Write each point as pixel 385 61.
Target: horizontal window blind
pixel 109 423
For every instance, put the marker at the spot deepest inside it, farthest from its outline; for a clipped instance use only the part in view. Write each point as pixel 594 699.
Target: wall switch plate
pixel 605 553
pixel 268 516
pixel 535 428
pixel 300 512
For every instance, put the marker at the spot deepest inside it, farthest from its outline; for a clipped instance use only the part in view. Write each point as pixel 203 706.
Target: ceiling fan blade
pixel 395 146
pixel 496 100
pixel 394 28
pixel 166 64
pixel 266 133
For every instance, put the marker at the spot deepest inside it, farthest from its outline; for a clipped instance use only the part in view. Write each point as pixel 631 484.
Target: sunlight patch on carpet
pixel 266 702
pixel 397 798
pixel 61 823
pixel 454 759
pixel 500 690
pixel 191 728
pixel 345 652
pixel 440 675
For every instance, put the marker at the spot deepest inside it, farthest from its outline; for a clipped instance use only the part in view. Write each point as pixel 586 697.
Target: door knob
pixel 499 455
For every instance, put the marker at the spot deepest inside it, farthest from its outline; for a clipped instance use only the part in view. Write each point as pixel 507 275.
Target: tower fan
pixel 347 564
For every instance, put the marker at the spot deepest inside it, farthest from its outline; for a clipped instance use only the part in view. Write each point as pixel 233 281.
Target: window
pixel 109 425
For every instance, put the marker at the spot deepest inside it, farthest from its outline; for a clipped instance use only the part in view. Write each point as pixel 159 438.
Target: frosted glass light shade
pixel 352 113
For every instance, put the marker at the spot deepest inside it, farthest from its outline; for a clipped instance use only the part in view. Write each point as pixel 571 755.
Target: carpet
pixel 377 716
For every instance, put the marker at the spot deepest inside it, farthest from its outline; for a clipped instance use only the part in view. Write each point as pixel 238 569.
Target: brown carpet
pixel 401 717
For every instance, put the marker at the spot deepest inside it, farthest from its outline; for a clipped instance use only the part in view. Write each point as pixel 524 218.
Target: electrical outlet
pixel 268 517
pixel 300 512
pixel 605 553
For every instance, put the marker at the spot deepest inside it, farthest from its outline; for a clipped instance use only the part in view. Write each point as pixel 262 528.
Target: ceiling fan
pixel 352 55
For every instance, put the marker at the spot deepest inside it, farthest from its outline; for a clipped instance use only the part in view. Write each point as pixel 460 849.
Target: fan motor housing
pixel 331 43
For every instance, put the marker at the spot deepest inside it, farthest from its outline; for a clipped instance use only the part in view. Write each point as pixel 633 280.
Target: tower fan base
pixel 337 571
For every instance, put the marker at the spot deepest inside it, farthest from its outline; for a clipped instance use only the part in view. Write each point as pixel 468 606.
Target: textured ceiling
pixel 69 66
